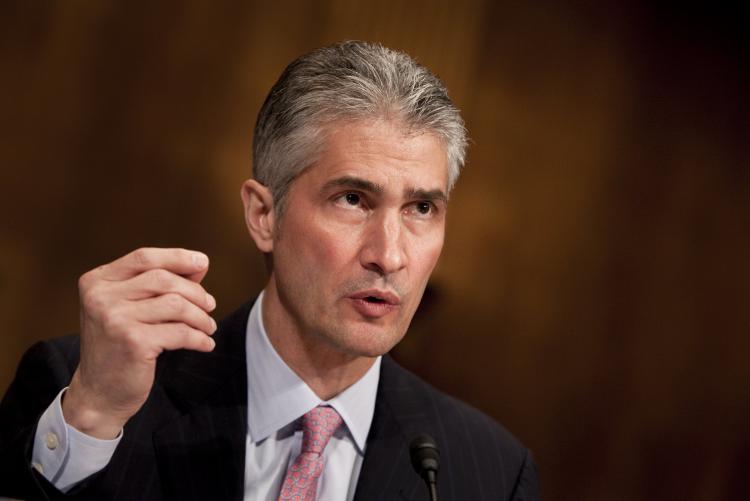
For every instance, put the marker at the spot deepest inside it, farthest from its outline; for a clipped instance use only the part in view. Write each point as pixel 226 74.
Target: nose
pixel 384 247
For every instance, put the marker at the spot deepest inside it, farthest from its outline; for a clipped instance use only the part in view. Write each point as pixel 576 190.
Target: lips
pixel 377 296
pixel 375 303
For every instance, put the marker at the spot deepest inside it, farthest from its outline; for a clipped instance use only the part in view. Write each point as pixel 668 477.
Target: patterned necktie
pixel 301 481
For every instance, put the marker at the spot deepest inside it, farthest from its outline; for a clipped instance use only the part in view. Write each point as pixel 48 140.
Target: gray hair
pixel 350 80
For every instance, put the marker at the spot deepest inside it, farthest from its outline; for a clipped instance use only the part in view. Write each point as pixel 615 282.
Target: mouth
pixel 375 303
pixel 377 297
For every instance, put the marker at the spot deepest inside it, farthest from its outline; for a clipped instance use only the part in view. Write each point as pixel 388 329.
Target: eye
pixel 352 198
pixel 422 209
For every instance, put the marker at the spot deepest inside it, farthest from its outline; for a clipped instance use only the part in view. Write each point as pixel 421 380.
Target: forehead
pixel 382 151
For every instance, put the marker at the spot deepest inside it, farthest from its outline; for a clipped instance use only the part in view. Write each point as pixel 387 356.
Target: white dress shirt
pixel 277 399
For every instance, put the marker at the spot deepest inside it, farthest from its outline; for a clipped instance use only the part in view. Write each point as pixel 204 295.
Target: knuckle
pixel 112 320
pixel 84 281
pixel 161 279
pixel 142 257
pixel 91 299
pixel 130 339
pixel 183 332
pixel 174 303
pixel 196 293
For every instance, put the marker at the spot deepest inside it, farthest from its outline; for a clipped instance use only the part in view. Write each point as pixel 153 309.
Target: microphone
pixel 425 457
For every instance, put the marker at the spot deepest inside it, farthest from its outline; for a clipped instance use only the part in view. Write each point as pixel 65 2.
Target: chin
pixel 366 340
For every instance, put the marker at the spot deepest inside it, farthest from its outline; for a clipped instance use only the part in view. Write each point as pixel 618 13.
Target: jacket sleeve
pixel 527 484
pixel 44 370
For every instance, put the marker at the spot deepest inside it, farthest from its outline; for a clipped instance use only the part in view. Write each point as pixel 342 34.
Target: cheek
pixel 323 248
pixel 425 254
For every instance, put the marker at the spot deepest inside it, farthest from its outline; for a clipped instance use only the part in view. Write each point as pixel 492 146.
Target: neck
pixel 325 368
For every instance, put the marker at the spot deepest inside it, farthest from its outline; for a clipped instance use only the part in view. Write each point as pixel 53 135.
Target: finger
pixel 180 261
pixel 197 277
pixel 171 308
pixel 177 335
pixel 158 282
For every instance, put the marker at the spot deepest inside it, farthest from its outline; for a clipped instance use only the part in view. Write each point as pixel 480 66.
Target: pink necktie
pixel 301 481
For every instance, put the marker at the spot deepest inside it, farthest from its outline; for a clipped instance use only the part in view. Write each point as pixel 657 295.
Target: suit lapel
pixel 387 472
pixel 201 452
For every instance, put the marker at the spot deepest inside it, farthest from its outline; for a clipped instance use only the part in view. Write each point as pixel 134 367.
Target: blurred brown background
pixel 593 291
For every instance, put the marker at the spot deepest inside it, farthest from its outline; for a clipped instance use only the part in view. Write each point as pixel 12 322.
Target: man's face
pixel 361 231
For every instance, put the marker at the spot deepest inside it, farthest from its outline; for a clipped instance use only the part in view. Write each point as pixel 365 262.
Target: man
pixel 356 149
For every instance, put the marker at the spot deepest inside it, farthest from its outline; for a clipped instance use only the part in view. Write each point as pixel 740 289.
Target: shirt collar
pixel 276 396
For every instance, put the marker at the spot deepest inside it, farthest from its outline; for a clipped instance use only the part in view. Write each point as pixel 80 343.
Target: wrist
pixel 89 419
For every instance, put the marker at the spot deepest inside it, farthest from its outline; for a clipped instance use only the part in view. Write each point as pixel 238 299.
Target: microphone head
pixel 425 456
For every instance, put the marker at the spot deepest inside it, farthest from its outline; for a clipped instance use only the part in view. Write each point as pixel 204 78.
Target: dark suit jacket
pixel 188 441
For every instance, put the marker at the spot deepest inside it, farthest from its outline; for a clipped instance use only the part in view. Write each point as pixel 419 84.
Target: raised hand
pixel 132 310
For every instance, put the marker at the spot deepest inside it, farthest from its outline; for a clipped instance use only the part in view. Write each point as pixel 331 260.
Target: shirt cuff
pixel 64 455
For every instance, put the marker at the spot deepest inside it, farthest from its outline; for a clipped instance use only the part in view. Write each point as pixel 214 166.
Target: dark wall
pixel 593 292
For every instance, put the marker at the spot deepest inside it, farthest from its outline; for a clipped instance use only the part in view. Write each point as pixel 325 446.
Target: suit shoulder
pixel 458 421
pixel 481 458
pixel 47 366
pixel 60 350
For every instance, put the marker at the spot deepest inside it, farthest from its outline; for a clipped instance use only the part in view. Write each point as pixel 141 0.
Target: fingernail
pixel 212 343
pixel 211 301
pixel 200 259
pixel 214 324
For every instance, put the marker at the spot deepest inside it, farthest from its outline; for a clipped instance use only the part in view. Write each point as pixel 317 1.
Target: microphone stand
pixel 425 457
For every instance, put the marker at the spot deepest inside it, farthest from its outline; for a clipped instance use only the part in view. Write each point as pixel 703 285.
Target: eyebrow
pixel 357 183
pixel 429 195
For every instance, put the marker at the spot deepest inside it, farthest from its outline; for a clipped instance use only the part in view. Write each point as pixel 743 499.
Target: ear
pixel 259 214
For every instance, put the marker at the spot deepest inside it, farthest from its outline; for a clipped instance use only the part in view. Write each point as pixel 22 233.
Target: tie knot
pixel 318 426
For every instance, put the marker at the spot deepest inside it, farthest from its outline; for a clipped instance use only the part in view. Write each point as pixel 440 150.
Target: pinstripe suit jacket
pixel 188 441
